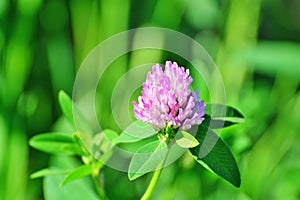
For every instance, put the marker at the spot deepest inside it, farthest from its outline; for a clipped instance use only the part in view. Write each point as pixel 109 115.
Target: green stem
pixel 155 177
pixel 152 184
pixel 99 186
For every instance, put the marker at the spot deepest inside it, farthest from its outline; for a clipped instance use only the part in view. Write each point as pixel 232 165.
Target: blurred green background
pixel 255 45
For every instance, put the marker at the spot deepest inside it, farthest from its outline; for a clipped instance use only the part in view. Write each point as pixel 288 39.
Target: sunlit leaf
pixel 186 140
pixel 216 155
pixel 147 159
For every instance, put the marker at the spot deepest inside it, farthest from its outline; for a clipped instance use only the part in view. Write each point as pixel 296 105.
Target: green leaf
pixel 125 138
pixel 78 173
pixel 74 116
pixel 76 190
pixel 216 111
pixel 186 140
pixel 216 155
pixel 135 132
pixel 134 146
pixel 56 143
pixel 219 116
pixel 147 159
pixel 135 136
pixel 48 172
pixel 216 123
pixel 66 105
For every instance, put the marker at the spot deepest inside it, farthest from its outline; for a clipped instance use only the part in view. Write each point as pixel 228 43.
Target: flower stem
pixel 153 182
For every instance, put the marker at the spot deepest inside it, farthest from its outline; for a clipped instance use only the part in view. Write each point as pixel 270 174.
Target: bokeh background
pixel 255 45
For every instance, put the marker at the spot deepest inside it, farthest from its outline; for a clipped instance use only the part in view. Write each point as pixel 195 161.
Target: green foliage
pixel 78 173
pixel 48 172
pixel 56 143
pixel 147 159
pixel 216 155
pixel 73 114
pixel 225 113
pixel 134 146
pixel 79 189
pixel 150 152
pixel 65 103
pixel 255 45
pixel 135 132
pixel 213 153
pixel 219 116
pixel 133 137
pixel 186 140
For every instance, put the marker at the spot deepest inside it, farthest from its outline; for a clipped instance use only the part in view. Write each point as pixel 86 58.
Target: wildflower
pixel 167 103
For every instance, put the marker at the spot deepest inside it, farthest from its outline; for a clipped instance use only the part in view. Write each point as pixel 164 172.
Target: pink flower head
pixel 167 99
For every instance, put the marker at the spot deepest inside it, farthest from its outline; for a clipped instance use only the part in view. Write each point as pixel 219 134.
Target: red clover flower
pixel 167 102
